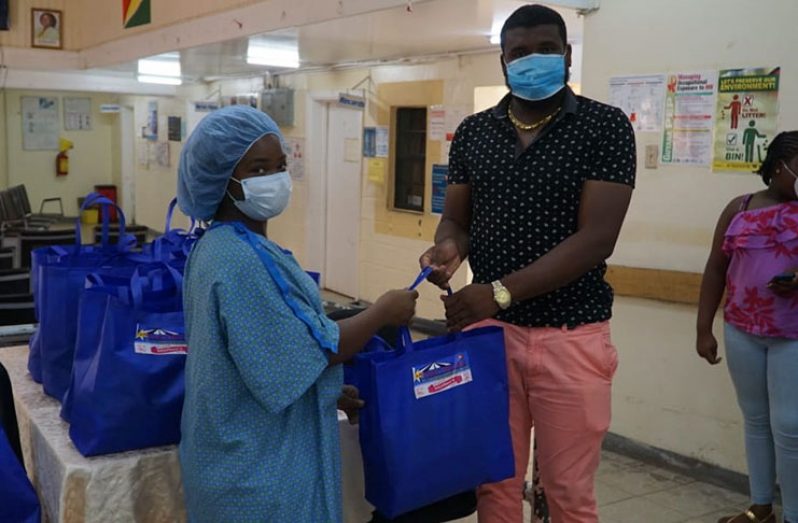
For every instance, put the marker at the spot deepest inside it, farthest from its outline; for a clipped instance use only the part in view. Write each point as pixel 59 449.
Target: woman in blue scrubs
pixel 259 429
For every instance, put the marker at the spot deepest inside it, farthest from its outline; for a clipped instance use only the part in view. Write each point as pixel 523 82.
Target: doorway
pixel 334 146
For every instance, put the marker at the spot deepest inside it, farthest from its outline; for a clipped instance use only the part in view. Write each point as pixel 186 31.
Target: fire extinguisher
pixel 62 160
pixel 62 164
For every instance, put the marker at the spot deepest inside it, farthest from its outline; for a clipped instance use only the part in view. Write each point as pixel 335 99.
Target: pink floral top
pixel 762 243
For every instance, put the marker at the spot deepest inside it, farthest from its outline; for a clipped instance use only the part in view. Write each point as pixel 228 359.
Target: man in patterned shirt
pixel 538 189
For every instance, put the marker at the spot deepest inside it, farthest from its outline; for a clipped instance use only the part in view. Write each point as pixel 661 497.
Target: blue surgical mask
pixel 536 76
pixel 264 196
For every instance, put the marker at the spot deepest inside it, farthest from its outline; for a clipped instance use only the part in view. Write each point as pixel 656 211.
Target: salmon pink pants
pixel 560 382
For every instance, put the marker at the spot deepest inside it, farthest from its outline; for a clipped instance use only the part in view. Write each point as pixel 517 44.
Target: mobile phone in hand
pixel 786 277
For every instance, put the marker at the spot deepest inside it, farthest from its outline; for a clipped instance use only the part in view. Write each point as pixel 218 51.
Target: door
pixel 128 165
pixel 342 182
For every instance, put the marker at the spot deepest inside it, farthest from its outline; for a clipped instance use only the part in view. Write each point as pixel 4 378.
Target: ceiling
pixel 431 28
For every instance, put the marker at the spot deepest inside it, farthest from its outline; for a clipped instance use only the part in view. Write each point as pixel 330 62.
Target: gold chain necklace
pixel 530 126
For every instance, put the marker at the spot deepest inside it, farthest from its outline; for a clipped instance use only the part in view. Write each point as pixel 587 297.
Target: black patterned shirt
pixel 526 202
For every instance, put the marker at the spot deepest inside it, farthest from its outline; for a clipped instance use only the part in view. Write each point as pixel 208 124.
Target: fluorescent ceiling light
pixel 495 39
pixel 273 54
pixel 163 80
pixel 161 69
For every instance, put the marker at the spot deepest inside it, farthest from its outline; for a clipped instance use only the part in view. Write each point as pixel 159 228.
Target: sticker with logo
pixel 159 342
pixel 441 375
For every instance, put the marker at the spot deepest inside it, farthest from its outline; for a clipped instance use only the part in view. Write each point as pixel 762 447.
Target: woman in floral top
pixel 754 256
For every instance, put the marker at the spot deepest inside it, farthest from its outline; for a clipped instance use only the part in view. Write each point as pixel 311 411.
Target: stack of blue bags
pixel 111 338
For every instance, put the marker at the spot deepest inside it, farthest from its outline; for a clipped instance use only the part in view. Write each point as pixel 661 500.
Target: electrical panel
pixel 279 104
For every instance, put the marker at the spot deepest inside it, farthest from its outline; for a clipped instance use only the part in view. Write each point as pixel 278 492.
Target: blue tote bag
pixel 92 308
pixel 436 418
pixel 39 259
pixel 173 244
pixel 58 276
pixel 18 501
pixel 128 384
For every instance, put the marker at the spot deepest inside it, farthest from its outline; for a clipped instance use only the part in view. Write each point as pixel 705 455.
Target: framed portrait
pixel 47 28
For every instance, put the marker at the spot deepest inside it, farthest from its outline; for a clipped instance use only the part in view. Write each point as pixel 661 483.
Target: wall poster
pixel 745 118
pixel 40 123
pixel 689 118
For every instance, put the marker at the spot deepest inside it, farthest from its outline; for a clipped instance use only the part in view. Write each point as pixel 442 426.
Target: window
pixel 410 159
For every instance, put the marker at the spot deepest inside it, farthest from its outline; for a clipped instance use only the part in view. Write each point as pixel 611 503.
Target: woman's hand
pixel 350 403
pixel 707 347
pixel 397 307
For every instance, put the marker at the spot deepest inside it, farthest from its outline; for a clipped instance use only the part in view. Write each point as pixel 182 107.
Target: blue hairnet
pixel 211 154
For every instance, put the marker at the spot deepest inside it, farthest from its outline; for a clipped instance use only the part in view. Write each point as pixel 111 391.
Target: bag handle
pixel 123 243
pixel 139 281
pixel 405 339
pixel 153 278
pixel 170 213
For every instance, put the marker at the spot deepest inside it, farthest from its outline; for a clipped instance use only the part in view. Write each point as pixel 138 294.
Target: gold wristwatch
pixel 501 295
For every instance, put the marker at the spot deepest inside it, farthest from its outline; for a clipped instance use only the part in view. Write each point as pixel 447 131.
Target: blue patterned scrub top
pixel 259 429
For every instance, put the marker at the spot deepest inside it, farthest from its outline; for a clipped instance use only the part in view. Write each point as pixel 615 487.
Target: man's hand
pixel 444 258
pixel 471 304
pixel 350 403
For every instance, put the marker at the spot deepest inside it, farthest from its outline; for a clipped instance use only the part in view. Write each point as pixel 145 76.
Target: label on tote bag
pixel 159 342
pixel 441 375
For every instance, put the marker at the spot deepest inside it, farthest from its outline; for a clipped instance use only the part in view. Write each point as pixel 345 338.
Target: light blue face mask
pixel 264 196
pixel 536 76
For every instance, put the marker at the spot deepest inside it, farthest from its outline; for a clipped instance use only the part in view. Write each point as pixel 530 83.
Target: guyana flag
pixel 135 12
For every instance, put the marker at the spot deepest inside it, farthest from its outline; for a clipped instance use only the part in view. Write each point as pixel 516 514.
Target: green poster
pixel 745 117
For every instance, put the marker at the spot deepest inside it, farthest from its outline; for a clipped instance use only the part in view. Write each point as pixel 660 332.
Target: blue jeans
pixel 765 375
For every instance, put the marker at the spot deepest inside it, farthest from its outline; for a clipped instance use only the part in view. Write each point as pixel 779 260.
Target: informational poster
pixel 381 142
pixel 160 154
pixel 376 169
pixel 375 142
pixel 436 123
pixel 454 117
pixel 296 158
pixel 440 174
pixel 40 123
pixel 642 99
pixel 150 131
pixel 77 114
pixel 369 142
pixel 746 114
pixel 175 125
pixel 689 118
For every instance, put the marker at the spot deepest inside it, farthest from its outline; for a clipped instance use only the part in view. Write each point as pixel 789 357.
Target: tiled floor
pixel 629 491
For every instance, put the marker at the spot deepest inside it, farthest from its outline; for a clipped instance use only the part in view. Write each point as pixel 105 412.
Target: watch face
pixel 503 298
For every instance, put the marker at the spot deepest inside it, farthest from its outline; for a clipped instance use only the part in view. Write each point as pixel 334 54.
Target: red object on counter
pixel 109 191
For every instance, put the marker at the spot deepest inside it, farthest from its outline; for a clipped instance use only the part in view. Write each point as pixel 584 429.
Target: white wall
pixel 675 209
pixel 91 162
pixel 664 395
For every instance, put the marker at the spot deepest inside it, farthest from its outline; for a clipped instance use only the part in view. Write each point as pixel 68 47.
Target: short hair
pixel 784 147
pixel 533 15
pixel 51 16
